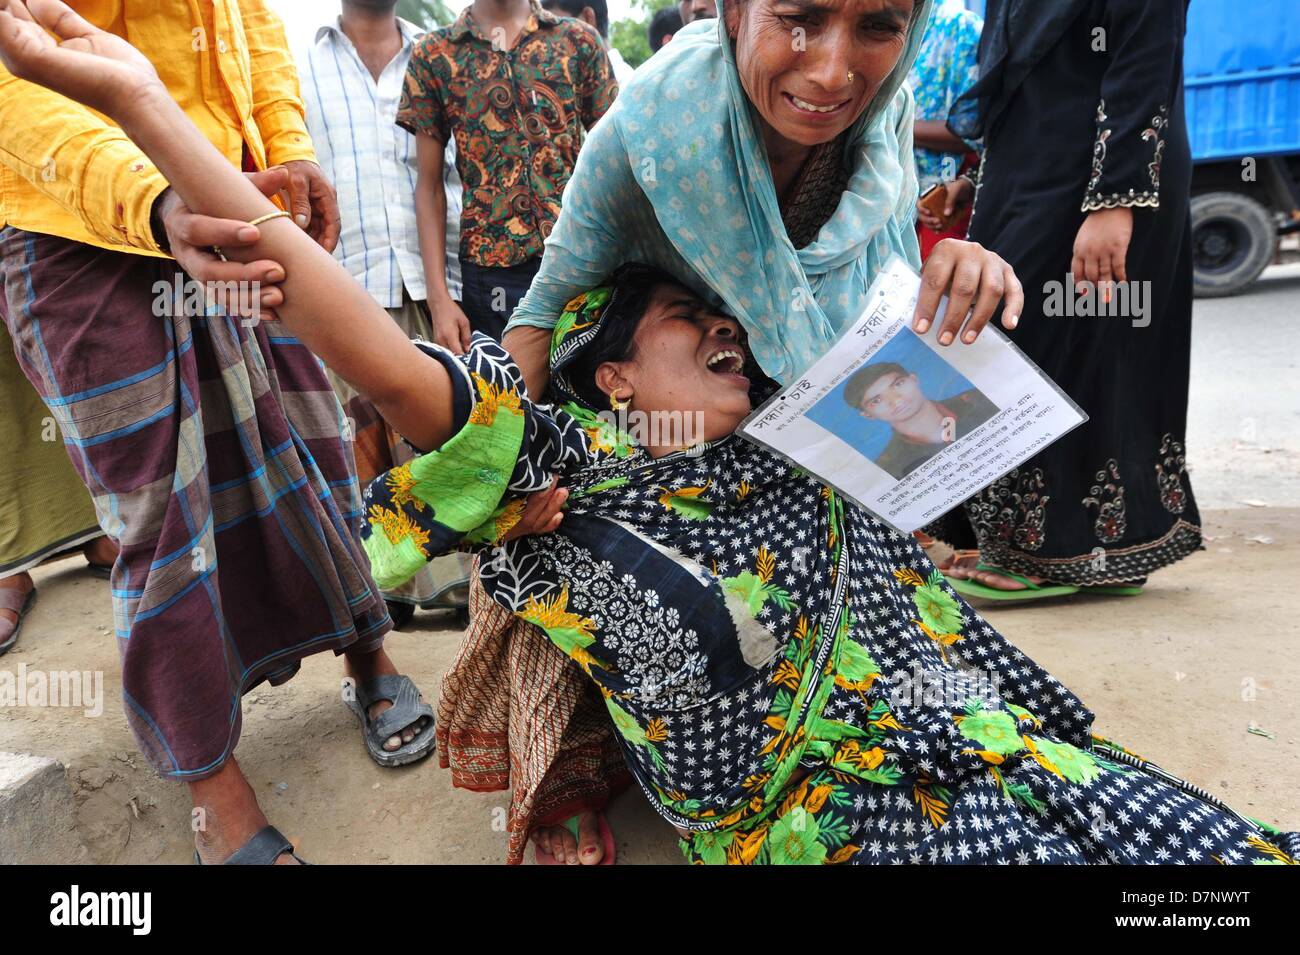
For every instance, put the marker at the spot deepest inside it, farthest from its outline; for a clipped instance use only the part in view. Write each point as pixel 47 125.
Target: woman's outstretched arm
pixel 323 305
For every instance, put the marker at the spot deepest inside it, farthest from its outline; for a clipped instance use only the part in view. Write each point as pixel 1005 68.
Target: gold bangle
pixel 277 214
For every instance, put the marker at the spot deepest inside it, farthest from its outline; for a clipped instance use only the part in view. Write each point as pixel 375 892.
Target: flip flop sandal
pixel 19 604
pixel 102 571
pixel 1032 591
pixel 959 555
pixel 263 848
pixel 1113 590
pixel 606 841
pixel 406 709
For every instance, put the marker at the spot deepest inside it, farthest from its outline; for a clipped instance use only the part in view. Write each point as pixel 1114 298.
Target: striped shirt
pixel 371 162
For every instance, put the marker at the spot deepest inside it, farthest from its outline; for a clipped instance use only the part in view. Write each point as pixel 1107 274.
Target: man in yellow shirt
pixel 210 440
pixel 69 172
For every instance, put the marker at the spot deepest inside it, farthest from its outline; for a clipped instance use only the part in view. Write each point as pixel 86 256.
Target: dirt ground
pixel 1179 675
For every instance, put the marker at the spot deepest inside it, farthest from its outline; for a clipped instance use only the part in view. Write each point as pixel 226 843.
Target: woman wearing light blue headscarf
pixel 711 166
pixel 708 167
pixel 764 159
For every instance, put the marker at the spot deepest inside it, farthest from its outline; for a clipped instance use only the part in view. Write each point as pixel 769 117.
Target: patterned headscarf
pixel 583 320
pixel 590 315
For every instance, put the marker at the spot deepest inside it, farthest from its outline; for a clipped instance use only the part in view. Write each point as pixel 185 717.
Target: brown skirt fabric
pixel 515 713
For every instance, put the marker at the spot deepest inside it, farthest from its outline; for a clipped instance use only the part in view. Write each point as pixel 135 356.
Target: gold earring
pixel 617 405
pixel 850 76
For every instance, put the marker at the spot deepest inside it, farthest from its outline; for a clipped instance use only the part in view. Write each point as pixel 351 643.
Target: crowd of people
pixel 431 259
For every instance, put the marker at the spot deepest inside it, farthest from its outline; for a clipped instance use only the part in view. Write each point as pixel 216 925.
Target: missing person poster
pixel 904 427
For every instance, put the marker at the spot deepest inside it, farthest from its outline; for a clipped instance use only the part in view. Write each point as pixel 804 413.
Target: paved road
pixel 1243 435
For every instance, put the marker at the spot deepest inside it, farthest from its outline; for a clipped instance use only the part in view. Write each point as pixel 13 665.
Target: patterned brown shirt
pixel 518 116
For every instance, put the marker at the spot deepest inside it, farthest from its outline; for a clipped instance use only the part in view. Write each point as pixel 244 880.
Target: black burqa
pixel 1080 105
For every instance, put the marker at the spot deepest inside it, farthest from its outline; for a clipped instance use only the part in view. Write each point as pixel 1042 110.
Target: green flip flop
pixel 1112 590
pixel 1032 591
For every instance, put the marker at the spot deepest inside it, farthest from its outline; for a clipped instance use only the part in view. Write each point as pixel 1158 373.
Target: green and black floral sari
pixel 793 682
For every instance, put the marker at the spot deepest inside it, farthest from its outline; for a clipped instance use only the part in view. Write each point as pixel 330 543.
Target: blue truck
pixel 1241 69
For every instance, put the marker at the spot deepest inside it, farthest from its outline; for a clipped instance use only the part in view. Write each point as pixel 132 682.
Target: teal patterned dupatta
pixel 676 175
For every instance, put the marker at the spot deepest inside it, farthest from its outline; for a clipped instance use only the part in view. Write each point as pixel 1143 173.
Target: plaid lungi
pixel 213 451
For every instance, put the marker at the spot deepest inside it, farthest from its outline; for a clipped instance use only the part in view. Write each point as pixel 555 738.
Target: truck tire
pixel 1233 239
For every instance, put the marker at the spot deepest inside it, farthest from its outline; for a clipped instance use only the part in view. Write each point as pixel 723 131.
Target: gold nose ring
pixel 850 76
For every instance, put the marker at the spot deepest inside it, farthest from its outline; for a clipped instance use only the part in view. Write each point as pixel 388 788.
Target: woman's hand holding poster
pixel 904 427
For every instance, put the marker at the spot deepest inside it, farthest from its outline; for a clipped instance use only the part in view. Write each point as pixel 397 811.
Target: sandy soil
pixel 1178 674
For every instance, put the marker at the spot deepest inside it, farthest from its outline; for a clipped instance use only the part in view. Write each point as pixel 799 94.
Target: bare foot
pixel 364 667
pixel 227 815
pixel 22 583
pixel 101 552
pixel 559 841
pixel 963 568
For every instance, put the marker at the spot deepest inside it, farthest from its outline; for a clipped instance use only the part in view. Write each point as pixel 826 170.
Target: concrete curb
pixel 37 812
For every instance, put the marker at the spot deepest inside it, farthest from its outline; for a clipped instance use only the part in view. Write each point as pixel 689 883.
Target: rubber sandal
pixel 406 709
pixel 11 600
pixel 263 848
pixel 959 555
pixel 102 571
pixel 1113 590
pixel 606 841
pixel 1032 591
